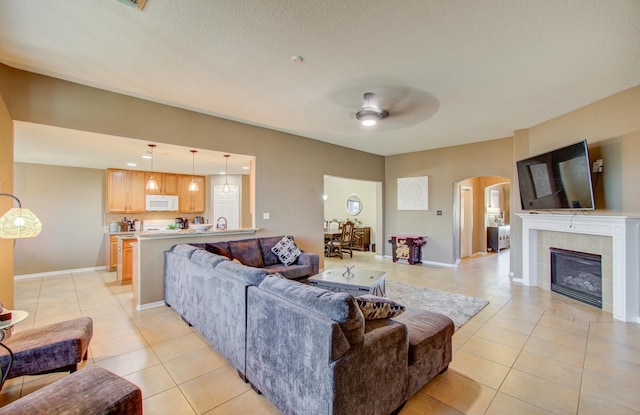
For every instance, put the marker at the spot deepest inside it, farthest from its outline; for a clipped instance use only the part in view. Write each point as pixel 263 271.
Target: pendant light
pixel 152 184
pixel 193 186
pixel 226 188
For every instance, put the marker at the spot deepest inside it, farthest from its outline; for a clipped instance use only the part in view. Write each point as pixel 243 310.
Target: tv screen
pixel 559 179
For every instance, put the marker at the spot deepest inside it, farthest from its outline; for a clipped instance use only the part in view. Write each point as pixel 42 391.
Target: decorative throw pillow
pixel 286 250
pixel 375 308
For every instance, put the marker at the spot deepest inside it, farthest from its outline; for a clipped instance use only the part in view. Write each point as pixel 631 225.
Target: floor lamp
pixel 19 222
pixel 15 224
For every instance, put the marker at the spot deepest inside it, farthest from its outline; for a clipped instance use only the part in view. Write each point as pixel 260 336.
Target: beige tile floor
pixel 528 352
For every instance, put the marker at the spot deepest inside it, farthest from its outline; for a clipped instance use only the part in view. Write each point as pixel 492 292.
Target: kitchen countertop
pixel 178 233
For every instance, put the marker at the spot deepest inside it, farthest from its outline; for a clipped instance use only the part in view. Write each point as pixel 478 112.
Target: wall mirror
pixel 354 205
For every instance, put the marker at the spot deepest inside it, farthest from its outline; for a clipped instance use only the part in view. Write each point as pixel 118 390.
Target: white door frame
pixel 466 221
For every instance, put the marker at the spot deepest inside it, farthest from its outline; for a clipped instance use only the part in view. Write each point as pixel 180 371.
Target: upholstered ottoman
pixel 430 350
pixel 58 347
pixel 90 391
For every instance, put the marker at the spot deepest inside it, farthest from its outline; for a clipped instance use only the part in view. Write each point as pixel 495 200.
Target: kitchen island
pixel 150 258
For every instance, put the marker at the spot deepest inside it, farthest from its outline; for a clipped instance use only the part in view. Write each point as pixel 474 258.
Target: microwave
pixel 162 203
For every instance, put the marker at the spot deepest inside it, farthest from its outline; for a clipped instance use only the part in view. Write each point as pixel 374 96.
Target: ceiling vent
pixel 370 113
pixel 138 4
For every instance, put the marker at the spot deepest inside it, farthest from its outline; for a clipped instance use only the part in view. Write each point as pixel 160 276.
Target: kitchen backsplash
pixel 118 217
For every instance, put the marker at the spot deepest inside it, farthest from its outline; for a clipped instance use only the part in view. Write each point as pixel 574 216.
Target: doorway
pixel 478 201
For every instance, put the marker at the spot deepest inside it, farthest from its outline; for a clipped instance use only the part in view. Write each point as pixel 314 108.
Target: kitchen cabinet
pixel 125 191
pixel 167 183
pixel 361 238
pixel 112 253
pixel 498 237
pixel 125 259
pixel 191 202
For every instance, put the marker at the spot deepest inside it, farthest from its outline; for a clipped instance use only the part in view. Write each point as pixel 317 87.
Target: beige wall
pixel 611 127
pixel 445 167
pixel 6 203
pixel 70 203
pixel 289 169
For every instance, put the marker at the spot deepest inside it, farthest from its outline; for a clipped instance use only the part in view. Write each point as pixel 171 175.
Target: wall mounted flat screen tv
pixel 559 179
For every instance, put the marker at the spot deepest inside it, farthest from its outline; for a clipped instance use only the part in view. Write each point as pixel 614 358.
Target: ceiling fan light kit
pixel 370 114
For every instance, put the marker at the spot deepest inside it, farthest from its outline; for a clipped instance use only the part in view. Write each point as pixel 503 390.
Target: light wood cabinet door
pixel 125 260
pixel 170 183
pixel 135 190
pixel 125 191
pixel 116 190
pixel 113 253
pixel 191 202
pixel 167 183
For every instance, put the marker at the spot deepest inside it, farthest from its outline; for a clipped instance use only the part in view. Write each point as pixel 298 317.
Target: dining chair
pixel 346 241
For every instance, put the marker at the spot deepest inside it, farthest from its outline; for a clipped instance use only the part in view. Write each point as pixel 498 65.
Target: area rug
pixel 457 307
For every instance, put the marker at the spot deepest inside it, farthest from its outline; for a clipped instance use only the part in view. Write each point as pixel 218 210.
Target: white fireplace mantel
pixel 625 234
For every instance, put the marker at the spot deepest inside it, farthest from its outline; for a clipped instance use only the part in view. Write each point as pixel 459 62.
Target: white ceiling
pixel 449 71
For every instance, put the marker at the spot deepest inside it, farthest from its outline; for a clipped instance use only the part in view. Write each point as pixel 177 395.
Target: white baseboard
pixel 437 264
pixel 147 306
pixel 56 273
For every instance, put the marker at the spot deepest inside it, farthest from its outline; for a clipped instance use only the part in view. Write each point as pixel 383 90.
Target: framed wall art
pixel 413 193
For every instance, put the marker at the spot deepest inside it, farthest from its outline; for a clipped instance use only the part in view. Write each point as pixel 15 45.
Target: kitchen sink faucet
pixel 221 225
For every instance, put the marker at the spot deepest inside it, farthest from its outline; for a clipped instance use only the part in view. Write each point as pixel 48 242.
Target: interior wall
pixel 70 203
pixel 339 189
pixel 289 169
pixel 444 167
pixel 611 127
pixel 6 203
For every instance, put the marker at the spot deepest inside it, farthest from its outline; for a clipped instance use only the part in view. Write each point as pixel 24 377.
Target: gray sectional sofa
pixel 308 350
pixel 256 252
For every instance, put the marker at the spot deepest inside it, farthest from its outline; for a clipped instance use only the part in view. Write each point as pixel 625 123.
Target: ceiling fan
pixel 371 113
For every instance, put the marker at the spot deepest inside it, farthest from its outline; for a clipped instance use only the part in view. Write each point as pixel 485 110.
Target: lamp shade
pixel 19 223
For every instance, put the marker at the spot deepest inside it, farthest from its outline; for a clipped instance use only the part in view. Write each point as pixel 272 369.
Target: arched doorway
pixel 477 204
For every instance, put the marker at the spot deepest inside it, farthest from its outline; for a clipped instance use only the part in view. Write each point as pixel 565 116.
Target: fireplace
pixel 577 275
pixel 615 237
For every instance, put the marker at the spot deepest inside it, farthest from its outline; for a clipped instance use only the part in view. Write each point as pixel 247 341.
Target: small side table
pixel 407 248
pixel 16 317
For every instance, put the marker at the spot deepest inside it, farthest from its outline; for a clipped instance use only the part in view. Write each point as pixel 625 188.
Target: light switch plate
pixel 266 215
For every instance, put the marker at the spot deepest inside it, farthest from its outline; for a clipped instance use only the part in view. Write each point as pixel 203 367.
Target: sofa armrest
pixel 311 259
pixel 372 376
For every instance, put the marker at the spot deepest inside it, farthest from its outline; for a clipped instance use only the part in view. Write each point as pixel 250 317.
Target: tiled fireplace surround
pixel 615 238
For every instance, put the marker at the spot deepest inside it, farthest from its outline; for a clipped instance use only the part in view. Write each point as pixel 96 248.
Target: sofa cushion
pixel 250 275
pixel 339 307
pixel 184 250
pixel 219 248
pixel 286 250
pixel 292 272
pixel 207 259
pixel 427 331
pixel 247 251
pixel 375 308
pixel 268 257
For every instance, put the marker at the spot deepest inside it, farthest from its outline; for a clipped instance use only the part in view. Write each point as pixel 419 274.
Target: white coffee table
pixel 359 282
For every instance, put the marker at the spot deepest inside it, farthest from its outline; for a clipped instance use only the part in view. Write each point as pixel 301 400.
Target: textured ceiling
pixel 449 71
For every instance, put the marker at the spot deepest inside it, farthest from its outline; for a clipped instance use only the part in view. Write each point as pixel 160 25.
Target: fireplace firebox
pixel 577 275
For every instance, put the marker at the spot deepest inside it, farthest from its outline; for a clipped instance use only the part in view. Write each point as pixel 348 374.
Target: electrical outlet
pixel 597 166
